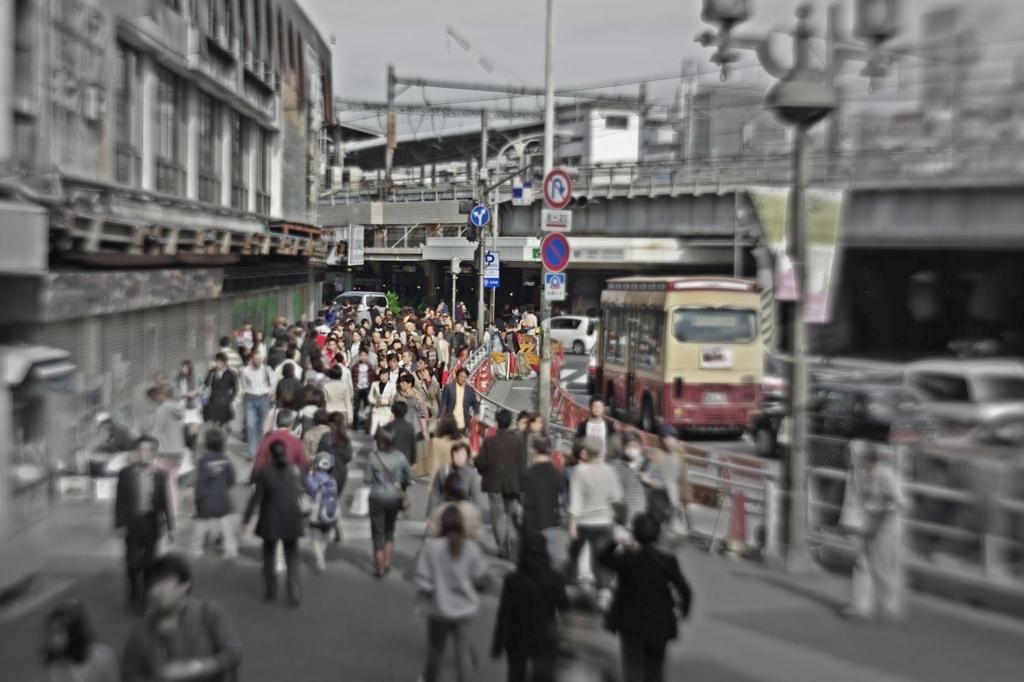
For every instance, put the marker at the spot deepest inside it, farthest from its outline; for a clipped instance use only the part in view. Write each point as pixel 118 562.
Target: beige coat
pixel 440 453
pixel 311 439
pixel 471 520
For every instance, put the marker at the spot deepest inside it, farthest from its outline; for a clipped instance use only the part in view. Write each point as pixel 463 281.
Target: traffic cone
pixel 738 524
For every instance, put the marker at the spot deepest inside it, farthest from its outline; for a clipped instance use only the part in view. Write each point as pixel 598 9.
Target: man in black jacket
pixel 502 461
pixel 405 433
pixel 541 492
pixel 644 611
pixel 142 509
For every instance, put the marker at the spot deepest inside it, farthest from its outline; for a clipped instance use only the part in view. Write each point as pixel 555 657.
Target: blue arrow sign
pixel 480 216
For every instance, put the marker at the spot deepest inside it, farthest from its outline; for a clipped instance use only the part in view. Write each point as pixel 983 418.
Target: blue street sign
pixel 480 216
pixel 492 270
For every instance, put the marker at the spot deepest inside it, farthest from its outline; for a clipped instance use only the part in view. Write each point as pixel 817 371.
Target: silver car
pixel 967 393
pixel 576 332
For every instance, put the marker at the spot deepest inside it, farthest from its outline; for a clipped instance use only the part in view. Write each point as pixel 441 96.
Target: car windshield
pixel 994 389
pixel 942 388
pixel 714 325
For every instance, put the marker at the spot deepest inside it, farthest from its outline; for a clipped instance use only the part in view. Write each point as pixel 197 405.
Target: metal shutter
pixel 176 323
pixel 63 405
pixel 138 361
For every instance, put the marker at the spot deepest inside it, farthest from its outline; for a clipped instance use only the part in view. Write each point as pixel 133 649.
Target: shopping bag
pixel 361 502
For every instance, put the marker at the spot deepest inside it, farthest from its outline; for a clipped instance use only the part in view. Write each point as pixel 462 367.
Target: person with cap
pixel 594 491
pixel 142 510
pixel 322 488
pixel 111 438
pixel 675 473
pixel 526 627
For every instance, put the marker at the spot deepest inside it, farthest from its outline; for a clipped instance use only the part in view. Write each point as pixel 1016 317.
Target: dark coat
pixel 222 397
pixel 502 462
pixel 126 501
pixel 214 481
pixel 405 438
pixel 470 402
pixel 277 497
pixel 526 621
pixel 644 606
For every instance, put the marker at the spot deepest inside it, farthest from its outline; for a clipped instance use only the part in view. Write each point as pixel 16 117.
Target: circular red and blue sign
pixel 557 189
pixel 554 252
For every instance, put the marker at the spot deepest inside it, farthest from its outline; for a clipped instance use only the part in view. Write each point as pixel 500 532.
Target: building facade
pixel 161 163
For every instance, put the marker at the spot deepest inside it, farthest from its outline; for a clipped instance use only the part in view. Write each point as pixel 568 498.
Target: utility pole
pixel 389 158
pixel 544 380
pixel 482 200
pixel 456 265
pixel 737 250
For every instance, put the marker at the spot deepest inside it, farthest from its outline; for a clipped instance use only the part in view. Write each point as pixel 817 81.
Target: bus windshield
pixel 714 325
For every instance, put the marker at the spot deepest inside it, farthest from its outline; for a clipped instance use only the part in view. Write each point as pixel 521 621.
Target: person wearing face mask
pixel 637 474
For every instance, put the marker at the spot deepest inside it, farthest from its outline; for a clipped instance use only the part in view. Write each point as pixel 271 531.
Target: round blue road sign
pixel 554 252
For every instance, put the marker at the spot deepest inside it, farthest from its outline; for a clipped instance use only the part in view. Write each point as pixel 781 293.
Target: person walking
pixel 71 652
pixel 214 482
pixel 169 429
pixel 540 497
pixel 440 448
pixel 502 462
pixel 388 474
pixel 471 480
pixel 645 610
pixel 295 450
pixel 288 383
pixel 142 510
pixel 189 388
pixel 597 425
pixel 222 384
pixel 454 492
pixel 338 391
pixel 363 376
pixel 638 476
pixel 280 519
pixel 182 637
pixel 381 397
pixel 594 491
pixel 417 413
pixel 405 432
pixel 258 384
pixel 325 512
pixel 312 436
pixel 449 573
pixel 875 589
pixel 526 627
pixel 461 400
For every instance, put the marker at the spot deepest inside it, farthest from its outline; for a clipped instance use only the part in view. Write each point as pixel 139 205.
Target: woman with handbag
pixel 388 474
pixel 222 384
pixel 644 611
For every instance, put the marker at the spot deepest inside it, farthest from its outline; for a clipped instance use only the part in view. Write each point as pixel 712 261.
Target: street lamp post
pixel 803 97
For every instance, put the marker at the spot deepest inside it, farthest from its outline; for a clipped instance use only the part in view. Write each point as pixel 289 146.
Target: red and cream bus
pixel 685 351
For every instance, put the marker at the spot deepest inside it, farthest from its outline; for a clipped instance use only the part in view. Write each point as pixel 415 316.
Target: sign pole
pixel 456 264
pixel 483 202
pixel 544 380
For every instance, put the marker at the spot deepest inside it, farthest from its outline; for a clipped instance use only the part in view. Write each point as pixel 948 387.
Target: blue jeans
pixel 257 407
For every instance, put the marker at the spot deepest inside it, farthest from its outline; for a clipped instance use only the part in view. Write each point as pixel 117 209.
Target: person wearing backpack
pixel 337 442
pixel 326 509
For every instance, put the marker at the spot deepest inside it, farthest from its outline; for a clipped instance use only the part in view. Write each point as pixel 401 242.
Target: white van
pixel 368 298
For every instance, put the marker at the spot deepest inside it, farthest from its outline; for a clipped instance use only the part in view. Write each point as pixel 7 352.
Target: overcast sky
pixel 598 41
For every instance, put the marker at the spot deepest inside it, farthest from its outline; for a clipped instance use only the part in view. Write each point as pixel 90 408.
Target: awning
pixel 50 366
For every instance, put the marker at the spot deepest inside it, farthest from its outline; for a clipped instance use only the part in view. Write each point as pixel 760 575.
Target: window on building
pixel 128 117
pixel 616 122
pixel 209 149
pixel 262 162
pixel 170 134
pixel 239 163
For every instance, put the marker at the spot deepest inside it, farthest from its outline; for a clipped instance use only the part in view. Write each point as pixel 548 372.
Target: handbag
pixel 405 504
pixel 305 501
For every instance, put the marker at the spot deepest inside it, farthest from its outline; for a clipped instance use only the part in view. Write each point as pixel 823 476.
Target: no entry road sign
pixel 554 252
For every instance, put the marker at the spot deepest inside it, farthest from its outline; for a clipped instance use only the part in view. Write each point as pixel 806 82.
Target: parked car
pixel 968 393
pixel 367 298
pixel 875 412
pixel 592 371
pixel 575 332
pixel 1000 438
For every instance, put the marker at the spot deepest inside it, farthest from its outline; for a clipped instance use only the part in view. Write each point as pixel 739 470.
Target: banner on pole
pixel 824 209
